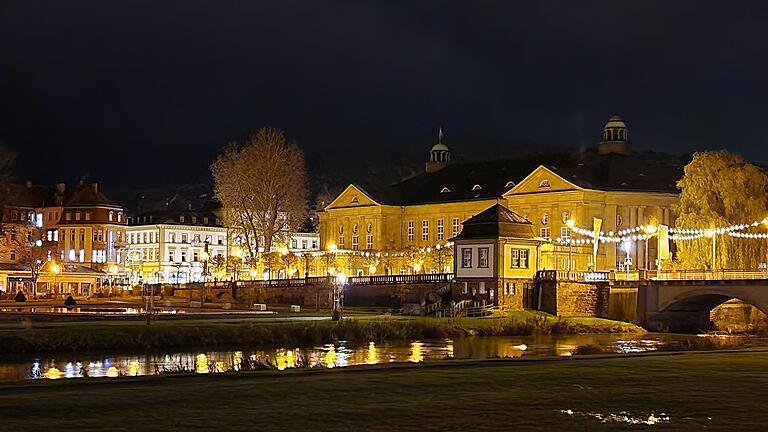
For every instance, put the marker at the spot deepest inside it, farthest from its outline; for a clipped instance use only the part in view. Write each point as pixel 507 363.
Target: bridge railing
pixel 574 276
pixel 401 279
pixel 707 275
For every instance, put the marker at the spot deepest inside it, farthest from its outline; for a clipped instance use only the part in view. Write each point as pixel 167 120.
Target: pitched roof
pixel 173 217
pixel 646 171
pixel 494 222
pixel 88 195
pixel 30 196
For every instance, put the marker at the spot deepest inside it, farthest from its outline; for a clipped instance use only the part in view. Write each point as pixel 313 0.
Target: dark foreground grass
pixel 131 335
pixel 713 391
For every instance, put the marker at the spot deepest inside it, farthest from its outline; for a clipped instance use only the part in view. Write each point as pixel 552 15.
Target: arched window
pixel 111 215
pixel 545 218
pixel 619 220
pixel 566 216
pixel 369 228
pixel 545 184
pixel 354 229
pixel 355 199
pixel 341 229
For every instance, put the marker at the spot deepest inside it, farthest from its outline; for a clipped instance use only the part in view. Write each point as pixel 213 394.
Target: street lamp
pixel 112 274
pixel 56 270
pixel 338 295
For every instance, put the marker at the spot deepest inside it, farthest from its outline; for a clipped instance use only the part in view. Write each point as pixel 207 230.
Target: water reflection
pixel 340 354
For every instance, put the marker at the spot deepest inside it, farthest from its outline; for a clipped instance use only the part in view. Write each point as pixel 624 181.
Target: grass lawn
pixel 713 391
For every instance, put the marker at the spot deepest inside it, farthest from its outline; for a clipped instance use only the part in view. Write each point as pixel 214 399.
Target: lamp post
pixel 56 270
pixel 112 274
pixel 338 296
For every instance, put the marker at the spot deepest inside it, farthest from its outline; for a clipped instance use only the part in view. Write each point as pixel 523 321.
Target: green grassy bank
pixel 89 336
pixel 682 392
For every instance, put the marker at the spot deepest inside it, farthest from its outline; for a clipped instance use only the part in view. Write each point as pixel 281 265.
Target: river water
pixel 341 354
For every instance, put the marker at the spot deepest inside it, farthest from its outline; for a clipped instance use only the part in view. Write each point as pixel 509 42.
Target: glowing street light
pixel 338 295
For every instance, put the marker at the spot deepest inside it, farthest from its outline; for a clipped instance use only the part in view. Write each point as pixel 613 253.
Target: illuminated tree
pixel 719 189
pixel 31 251
pixel 262 185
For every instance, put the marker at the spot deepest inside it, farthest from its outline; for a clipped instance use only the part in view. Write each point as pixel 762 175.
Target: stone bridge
pixel 682 301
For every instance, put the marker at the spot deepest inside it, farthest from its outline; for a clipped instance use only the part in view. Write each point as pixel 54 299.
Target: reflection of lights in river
pixel 521 347
pixel 237 360
pixel 416 354
pixel 35 371
pixel 372 356
pixel 201 364
pixel 132 369
pixel 330 357
pixel 113 372
pixel 53 373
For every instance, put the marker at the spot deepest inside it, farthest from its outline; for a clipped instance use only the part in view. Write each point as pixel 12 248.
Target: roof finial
pixel 440 136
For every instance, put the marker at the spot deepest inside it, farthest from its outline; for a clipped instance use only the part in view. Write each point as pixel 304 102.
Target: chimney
pixel 95 187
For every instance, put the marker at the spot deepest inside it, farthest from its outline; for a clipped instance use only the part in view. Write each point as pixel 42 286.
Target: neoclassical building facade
pixel 610 181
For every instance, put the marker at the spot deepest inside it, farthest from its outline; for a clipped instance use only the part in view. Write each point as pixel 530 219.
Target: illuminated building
pixel 175 246
pixel 610 181
pixel 82 230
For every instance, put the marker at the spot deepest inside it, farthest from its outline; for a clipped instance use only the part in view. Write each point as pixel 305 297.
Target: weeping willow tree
pixel 718 189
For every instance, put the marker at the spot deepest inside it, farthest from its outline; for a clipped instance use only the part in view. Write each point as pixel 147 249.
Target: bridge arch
pixel 689 310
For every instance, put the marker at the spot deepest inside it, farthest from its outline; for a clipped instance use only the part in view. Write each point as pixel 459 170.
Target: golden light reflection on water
pixel 416 354
pixel 330 357
pixel 201 364
pixel 372 356
pixel 113 372
pixel 53 373
pixel 133 368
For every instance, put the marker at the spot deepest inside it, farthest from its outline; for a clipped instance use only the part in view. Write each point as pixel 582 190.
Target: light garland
pixel 645 232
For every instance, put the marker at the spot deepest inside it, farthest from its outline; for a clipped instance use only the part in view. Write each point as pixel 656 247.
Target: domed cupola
pixel 439 155
pixel 615 137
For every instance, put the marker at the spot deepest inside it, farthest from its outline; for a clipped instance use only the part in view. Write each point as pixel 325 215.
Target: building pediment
pixel 352 196
pixel 542 180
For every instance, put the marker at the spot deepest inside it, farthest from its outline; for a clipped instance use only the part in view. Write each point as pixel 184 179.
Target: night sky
pixel 146 92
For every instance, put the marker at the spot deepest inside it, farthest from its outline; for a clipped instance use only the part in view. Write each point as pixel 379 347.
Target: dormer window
pixel 545 184
pixel 181 218
pixel 355 199
pixel 510 184
pixel 444 190
pixel 477 187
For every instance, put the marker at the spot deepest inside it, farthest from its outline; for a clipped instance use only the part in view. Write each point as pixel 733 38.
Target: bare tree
pixel 32 251
pixel 262 185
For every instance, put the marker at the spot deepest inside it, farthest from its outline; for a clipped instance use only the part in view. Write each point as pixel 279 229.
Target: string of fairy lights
pixel 645 232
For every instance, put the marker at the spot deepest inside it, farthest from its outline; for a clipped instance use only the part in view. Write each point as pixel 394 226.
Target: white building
pixel 175 247
pixel 304 242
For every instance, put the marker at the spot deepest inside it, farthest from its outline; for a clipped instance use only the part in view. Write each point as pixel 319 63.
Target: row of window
pixel 520 258
pixel 305 244
pixel 151 237
pixel 355 242
pixel 455 225
pixel 77 216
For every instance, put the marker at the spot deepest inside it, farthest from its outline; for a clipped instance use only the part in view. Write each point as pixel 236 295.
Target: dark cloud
pixel 147 91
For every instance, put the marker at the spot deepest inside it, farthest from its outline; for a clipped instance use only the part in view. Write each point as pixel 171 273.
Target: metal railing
pixel 574 276
pixel 353 280
pixel 708 275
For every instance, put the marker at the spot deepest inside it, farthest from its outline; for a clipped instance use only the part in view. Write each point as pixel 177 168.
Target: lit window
pixel 482 257
pixel 565 233
pixel 411 227
pixel 455 226
pixel 77 216
pixel 425 230
pixel 545 184
pixel 111 215
pixel 355 242
pixel 82 255
pixel 369 241
pixel 87 216
pixel 341 241
pixel 440 229
pixel 519 258
pixel 466 258
pixel 481 288
pixel 545 233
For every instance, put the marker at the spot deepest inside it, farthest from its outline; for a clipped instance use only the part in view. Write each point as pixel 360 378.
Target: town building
pixel 176 247
pixel 497 255
pixel 611 181
pixel 59 242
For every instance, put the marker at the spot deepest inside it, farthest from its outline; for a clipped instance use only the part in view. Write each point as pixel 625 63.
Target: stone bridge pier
pixel 684 306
